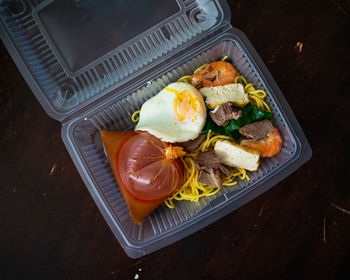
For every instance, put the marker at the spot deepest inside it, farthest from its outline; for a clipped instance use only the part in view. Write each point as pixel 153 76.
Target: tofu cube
pixel 237 156
pixel 217 95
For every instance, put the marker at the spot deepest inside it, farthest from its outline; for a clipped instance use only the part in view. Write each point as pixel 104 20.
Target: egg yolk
pixel 186 105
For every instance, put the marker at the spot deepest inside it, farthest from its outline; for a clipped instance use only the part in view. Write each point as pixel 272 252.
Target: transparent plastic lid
pixel 71 52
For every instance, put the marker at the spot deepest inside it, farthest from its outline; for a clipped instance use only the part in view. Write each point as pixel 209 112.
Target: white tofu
pixel 215 96
pixel 237 156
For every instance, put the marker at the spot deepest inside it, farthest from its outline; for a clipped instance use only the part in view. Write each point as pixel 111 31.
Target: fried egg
pixel 176 114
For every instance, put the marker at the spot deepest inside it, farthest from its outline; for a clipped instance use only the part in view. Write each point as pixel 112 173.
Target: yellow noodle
pixel 134 115
pixel 185 79
pixel 200 68
pixel 230 183
pixel 170 204
pixel 240 80
pixel 191 189
pixel 256 97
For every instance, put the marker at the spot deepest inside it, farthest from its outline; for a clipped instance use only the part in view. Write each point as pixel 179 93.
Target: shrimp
pixel 214 74
pixel 267 146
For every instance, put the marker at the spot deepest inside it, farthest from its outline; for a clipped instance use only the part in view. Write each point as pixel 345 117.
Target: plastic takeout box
pixel 91 64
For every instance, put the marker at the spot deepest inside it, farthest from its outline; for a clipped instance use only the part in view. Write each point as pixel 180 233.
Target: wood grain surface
pixel 50 228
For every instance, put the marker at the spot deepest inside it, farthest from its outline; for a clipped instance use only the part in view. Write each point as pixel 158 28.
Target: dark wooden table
pixel 50 227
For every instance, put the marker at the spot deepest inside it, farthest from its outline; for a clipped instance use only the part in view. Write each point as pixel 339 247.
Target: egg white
pixel 159 118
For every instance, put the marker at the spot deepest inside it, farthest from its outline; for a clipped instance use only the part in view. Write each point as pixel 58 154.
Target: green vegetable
pixel 250 114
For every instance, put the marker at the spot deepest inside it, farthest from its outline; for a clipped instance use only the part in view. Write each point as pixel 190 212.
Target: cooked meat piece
pixel 224 170
pixel 207 160
pixel 224 113
pixel 257 130
pixel 192 145
pixel 211 170
pixel 210 177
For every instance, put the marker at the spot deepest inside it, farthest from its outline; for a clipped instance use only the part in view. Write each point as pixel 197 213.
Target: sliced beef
pixel 224 170
pixel 192 145
pixel 210 177
pixel 211 170
pixel 257 130
pixel 224 113
pixel 207 160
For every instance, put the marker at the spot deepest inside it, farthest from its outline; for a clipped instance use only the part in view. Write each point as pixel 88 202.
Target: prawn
pixel 214 74
pixel 267 146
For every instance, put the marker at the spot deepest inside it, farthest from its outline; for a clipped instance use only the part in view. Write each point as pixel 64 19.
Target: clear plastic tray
pixel 114 97
pixel 73 52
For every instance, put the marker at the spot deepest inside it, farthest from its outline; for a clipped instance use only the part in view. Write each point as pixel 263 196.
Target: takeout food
pixel 181 152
